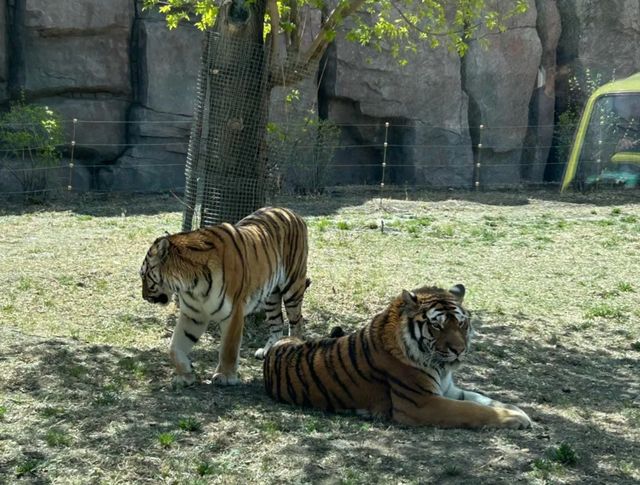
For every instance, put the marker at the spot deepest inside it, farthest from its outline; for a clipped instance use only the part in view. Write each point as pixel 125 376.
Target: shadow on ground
pixel 117 402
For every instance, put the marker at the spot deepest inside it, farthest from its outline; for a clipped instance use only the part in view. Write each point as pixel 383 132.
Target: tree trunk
pixel 225 173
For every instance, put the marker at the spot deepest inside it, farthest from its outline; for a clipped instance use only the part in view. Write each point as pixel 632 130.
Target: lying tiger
pixel 397 367
pixel 223 273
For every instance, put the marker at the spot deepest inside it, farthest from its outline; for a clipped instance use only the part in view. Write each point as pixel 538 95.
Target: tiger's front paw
pixel 221 379
pixel 183 380
pixel 515 419
pixel 260 353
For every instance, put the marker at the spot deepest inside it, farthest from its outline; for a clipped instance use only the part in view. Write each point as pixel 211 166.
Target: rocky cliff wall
pixel 130 83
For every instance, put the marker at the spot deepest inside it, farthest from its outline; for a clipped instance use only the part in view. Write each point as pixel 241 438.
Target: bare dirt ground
pixel 552 281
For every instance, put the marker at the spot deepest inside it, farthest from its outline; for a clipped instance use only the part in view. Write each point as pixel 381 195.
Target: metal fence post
pixel 478 159
pixel 71 161
pixel 384 157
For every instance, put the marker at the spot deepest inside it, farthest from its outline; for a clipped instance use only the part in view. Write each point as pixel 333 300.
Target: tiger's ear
pixel 410 301
pixel 458 291
pixel 162 247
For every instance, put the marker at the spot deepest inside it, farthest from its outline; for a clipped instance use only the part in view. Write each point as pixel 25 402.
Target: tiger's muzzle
pixel 161 299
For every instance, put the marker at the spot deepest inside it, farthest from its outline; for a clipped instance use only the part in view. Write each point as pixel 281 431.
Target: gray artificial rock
pixel 100 132
pixel 65 47
pixel 499 81
pixel 539 138
pixel 144 171
pixel 168 63
pixel 425 105
pixel 602 36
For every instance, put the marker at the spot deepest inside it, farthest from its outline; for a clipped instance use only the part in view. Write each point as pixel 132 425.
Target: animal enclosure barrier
pixel 226 159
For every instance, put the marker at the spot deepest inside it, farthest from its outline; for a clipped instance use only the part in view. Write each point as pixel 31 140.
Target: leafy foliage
pixel 402 25
pixel 30 135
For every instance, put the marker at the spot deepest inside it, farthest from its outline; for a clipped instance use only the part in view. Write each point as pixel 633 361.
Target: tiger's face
pixel 153 288
pixel 437 326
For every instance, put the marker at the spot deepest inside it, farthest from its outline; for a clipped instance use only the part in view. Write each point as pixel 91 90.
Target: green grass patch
pixel 57 438
pixel 207 469
pixel 51 412
pixel 604 310
pixel 166 439
pixel 564 454
pixel 625 287
pixel 190 424
pixel 28 467
pixel 25 283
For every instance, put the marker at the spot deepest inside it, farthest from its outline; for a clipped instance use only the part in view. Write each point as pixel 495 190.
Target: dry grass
pixel 553 281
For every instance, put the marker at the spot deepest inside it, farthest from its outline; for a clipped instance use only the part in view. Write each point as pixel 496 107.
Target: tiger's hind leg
pixel 273 310
pixel 292 300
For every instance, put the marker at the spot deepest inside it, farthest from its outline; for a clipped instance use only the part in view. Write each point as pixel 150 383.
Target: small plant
pixel 27 467
pixel 205 469
pixel 616 211
pixel 444 231
pixel 625 287
pixel 57 438
pixel 452 470
pixel 189 424
pixel 108 396
pixel 134 367
pixel 312 424
pixel 25 283
pixel 323 224
pixel 3 412
pixel 413 230
pixel 30 136
pixel 166 439
pixel 543 467
pixel 78 371
pixel 636 345
pixel 269 427
pixel 343 225
pixel 563 454
pixel 604 310
pixel 51 412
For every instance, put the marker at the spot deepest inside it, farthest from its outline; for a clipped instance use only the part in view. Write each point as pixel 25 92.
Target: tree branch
pixel 296 66
pixel 321 41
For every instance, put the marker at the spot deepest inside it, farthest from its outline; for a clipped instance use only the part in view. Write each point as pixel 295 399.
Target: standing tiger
pixel 223 273
pixel 397 367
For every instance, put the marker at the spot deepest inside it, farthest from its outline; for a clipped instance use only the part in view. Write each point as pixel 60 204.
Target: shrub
pixel 301 153
pixel 29 138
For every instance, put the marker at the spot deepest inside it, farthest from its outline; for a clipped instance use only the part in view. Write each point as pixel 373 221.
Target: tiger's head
pixel 435 327
pixel 154 288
